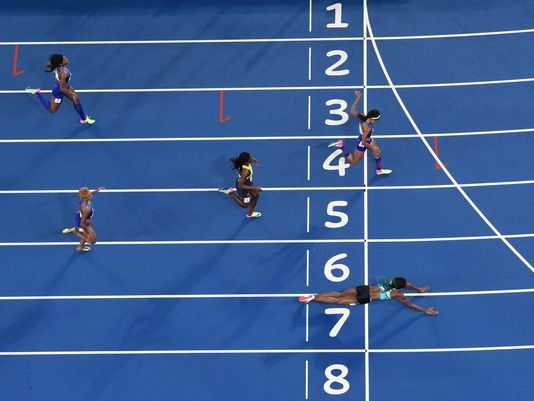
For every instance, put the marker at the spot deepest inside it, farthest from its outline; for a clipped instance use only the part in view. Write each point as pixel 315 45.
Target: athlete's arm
pixel 353 110
pixel 63 82
pixel 98 190
pixel 85 213
pixel 418 289
pixel 399 296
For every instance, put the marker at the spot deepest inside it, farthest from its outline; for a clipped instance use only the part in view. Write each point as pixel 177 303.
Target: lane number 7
pixel 344 312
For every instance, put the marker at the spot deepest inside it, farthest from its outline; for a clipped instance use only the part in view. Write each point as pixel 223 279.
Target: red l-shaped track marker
pixel 436 151
pixel 15 72
pixel 222 119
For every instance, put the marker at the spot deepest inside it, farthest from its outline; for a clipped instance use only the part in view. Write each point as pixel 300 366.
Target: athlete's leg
pixel 254 196
pixel 51 105
pixel 355 157
pixel 75 99
pixel 90 235
pixel 54 104
pixel 346 297
pixel 239 200
pixel 378 161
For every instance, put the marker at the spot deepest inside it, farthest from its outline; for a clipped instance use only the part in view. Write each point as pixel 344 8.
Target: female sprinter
pixel 58 64
pixel 363 294
pixel 246 194
pixel 364 140
pixel 84 219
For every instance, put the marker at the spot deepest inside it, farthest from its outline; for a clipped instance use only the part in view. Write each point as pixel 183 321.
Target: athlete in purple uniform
pixel 84 219
pixel 365 140
pixel 58 65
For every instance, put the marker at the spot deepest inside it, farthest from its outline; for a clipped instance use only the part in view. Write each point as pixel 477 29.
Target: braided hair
pixel 54 62
pixel 374 114
pixel 237 162
pixel 396 283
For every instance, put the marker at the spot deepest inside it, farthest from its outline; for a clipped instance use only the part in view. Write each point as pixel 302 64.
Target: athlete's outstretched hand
pixel 431 311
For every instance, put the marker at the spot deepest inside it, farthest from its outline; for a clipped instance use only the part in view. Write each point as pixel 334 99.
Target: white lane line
pixel 182 352
pixel 456 35
pixel 267 351
pixel 309 63
pixel 182 41
pixel 276 241
pixel 263 40
pixel 310 15
pixel 218 89
pixel 308 175
pixel 469 293
pixel 291 189
pixel 431 151
pixel 453 84
pixel 457 349
pixel 262 138
pixel 282 88
pixel 306 384
pixel 309 113
pixel 307 267
pixel 237 296
pixel 307 336
pixel 367 370
pixel 308 214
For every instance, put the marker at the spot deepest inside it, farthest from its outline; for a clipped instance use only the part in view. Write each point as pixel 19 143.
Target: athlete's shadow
pixel 383 329
pixel 145 330
pixel 221 168
pixel 34 313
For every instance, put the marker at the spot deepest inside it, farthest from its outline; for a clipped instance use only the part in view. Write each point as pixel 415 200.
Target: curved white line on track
pixel 431 151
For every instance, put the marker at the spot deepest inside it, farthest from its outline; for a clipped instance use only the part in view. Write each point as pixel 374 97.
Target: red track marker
pixel 222 119
pixel 436 151
pixel 15 62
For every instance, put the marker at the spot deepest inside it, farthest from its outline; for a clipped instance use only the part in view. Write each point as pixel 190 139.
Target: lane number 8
pixel 342 385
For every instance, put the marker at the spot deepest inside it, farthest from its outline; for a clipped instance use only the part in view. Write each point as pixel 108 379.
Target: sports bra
pixel 249 168
pixel 65 69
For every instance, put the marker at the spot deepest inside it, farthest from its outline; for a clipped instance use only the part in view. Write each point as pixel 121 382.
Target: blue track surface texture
pixel 182 297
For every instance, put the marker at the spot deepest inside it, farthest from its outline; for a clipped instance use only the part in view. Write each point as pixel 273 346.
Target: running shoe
pixel 254 214
pixel 384 171
pixel 226 191
pixel 306 298
pixel 88 120
pixel 84 249
pixel 68 230
pixel 338 144
pixel 33 91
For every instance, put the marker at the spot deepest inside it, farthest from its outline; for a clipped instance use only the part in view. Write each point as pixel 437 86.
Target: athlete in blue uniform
pixel 363 294
pixel 246 193
pixel 364 140
pixel 84 219
pixel 58 65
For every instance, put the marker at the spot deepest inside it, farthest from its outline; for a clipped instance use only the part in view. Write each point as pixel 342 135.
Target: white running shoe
pixel 306 298
pixel 384 171
pixel 338 144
